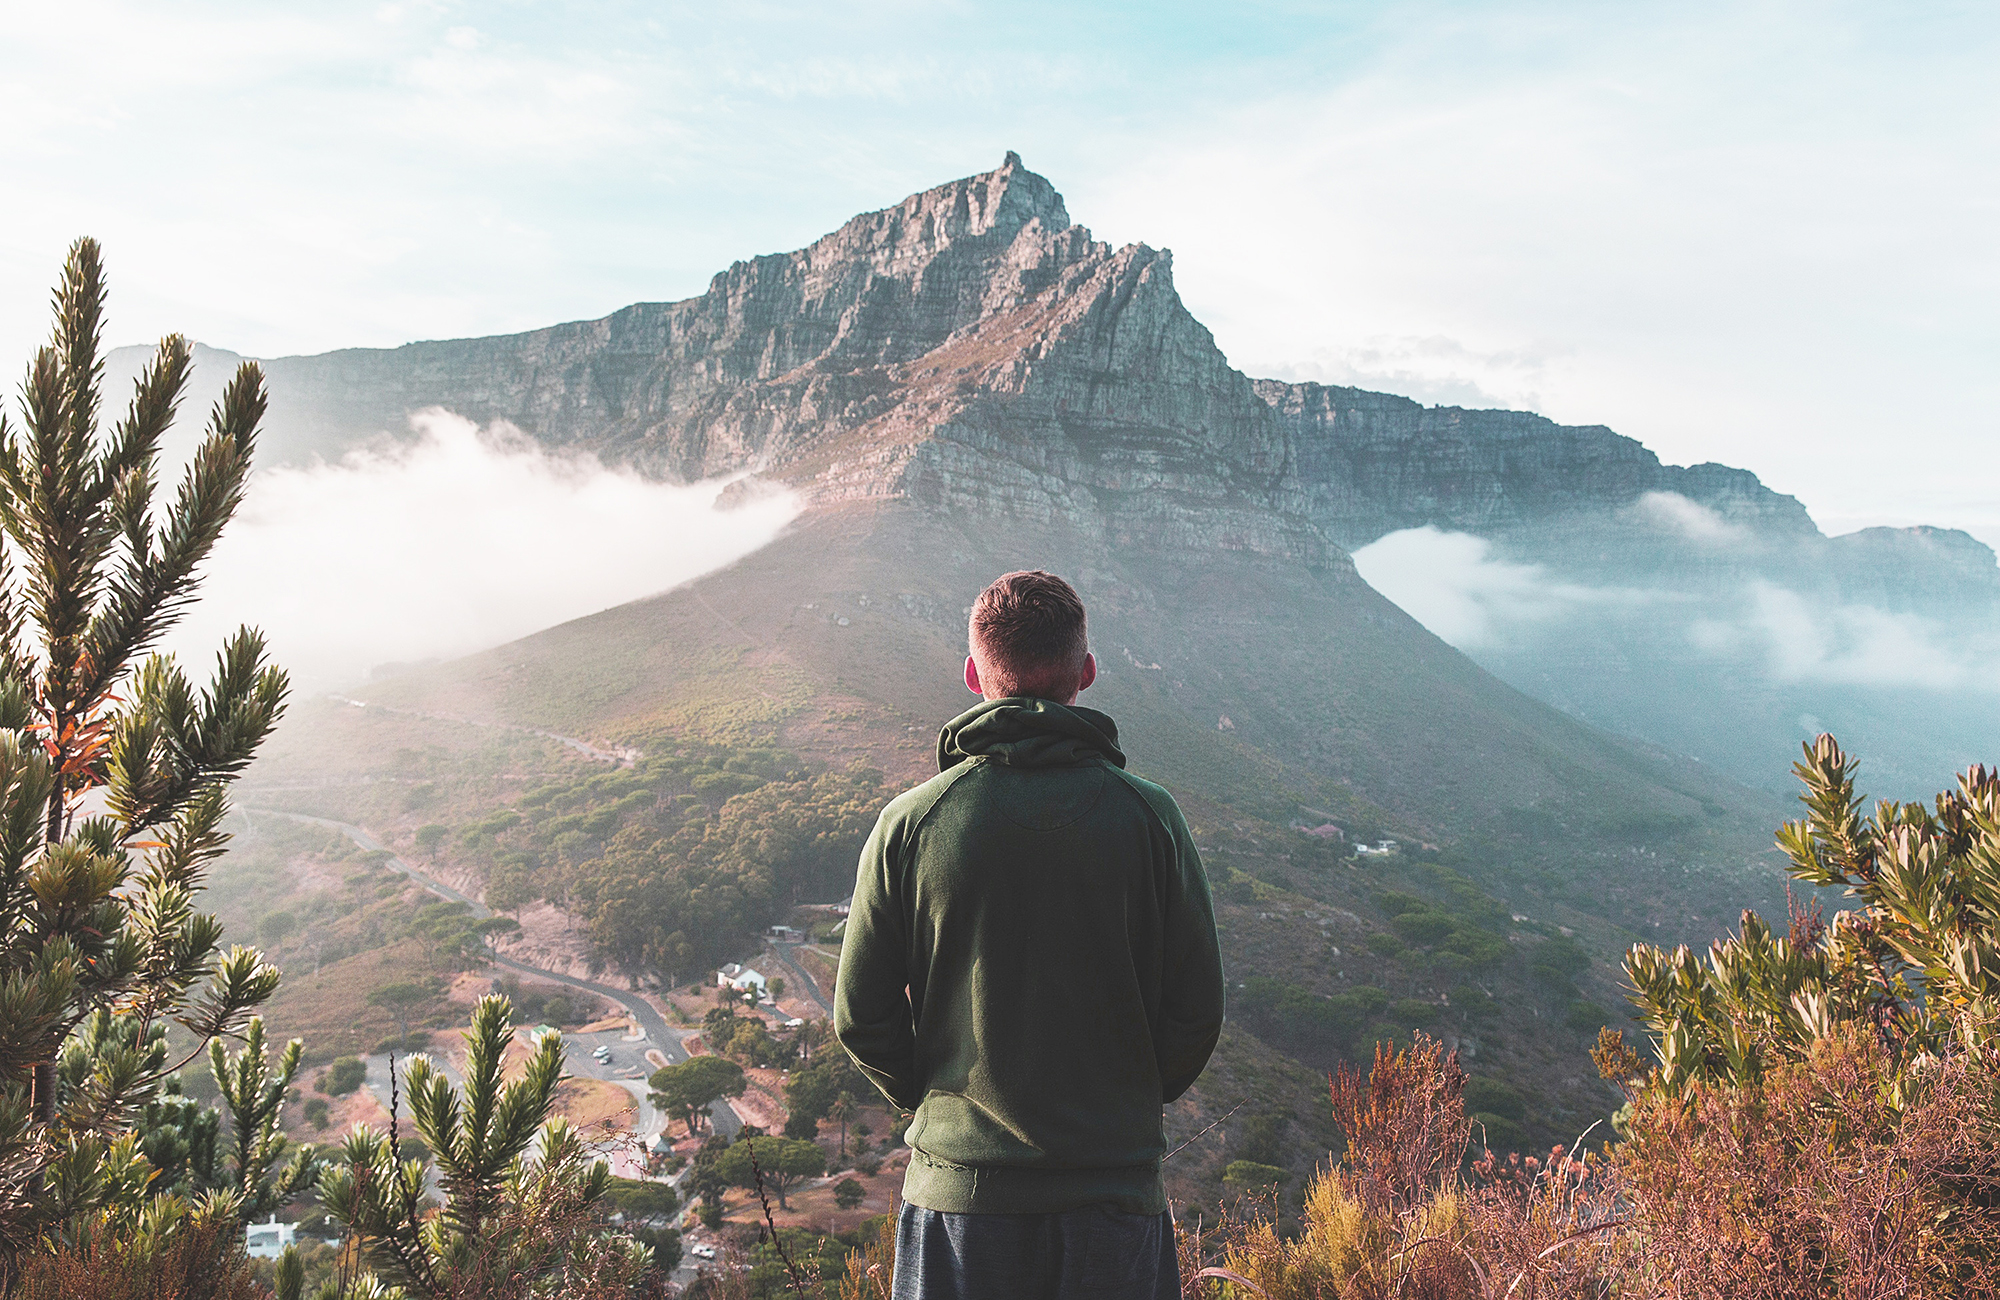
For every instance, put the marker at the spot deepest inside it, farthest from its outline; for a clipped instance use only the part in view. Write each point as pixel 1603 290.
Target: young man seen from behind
pixel 1031 967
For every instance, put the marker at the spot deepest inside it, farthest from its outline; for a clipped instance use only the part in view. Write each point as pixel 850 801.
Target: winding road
pixel 644 1014
pixel 806 981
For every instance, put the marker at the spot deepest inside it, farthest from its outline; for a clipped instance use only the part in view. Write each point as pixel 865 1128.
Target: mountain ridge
pixel 663 385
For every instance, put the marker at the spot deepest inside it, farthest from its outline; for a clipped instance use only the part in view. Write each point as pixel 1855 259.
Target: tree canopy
pixel 688 1089
pixel 783 1163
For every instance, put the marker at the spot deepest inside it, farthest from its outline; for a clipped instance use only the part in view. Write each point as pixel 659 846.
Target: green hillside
pixel 808 680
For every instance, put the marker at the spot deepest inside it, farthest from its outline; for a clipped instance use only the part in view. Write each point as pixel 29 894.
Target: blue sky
pixel 1756 233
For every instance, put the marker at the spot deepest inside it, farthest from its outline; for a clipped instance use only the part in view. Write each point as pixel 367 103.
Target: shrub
pixel 1494 1097
pixel 1929 918
pixel 1384 944
pixel 1398 1216
pixel 316 1112
pixel 848 1193
pixel 342 1077
pixel 416 1040
pixel 1415 1012
pixel 1585 1016
pixel 1241 1176
pixel 639 1199
pixel 1497 1132
pixel 1558 961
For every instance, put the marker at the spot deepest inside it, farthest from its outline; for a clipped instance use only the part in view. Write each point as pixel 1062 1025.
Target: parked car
pixel 702 1251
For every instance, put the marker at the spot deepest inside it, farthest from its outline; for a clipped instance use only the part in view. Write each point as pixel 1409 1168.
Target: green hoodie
pixel 1031 966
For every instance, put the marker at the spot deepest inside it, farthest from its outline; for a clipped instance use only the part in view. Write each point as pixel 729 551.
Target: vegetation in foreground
pixel 112 1181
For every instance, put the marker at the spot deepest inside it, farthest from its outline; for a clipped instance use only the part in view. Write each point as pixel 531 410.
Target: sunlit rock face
pixel 972 351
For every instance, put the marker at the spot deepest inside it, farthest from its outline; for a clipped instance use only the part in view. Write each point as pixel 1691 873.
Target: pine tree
pixel 254 1089
pixel 98 928
pixel 512 1223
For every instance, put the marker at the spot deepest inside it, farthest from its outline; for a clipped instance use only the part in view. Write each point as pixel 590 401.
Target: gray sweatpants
pixel 1094 1252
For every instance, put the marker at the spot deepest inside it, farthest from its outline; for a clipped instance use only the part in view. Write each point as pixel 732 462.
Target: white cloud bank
pixel 1454 586
pixel 460 540
pixel 1451 583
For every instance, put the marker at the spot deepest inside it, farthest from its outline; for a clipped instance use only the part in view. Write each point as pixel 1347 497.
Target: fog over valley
pixel 450 542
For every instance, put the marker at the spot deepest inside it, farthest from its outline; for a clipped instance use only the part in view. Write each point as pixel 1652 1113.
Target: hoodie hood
pixel 1023 732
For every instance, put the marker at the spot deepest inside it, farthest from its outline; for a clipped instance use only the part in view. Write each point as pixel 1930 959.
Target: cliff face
pixel 1376 463
pixel 968 348
pixel 972 348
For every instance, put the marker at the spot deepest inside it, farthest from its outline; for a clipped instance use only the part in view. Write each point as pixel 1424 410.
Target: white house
pixel 268 1240
pixel 741 978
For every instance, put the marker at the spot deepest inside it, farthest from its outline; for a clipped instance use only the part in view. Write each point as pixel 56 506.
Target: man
pixel 1031 966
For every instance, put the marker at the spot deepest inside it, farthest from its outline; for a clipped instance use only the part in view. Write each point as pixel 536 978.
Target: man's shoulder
pixel 1156 798
pixel 915 802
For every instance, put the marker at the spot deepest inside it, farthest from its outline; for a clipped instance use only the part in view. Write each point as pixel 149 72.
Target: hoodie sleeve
pixel 871 1000
pixel 1191 988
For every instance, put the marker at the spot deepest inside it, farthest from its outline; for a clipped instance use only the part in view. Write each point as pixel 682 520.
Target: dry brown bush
pixel 1401 1215
pixel 1813 1185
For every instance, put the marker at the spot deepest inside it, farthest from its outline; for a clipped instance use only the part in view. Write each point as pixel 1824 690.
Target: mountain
pixel 972 351
pixel 957 385
pixel 1689 605
pixel 967 383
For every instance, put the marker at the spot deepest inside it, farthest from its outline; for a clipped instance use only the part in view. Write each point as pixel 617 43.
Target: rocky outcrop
pixel 973 348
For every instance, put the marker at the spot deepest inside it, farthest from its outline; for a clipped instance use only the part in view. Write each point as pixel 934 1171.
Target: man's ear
pixel 1087 676
pixel 972 676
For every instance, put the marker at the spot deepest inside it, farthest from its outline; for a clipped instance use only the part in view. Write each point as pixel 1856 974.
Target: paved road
pixel 806 981
pixel 623 756
pixel 643 1013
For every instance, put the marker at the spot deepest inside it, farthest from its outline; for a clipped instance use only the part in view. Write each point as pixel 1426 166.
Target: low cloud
pixel 1452 584
pixel 459 540
pixel 1455 587
pixel 1802 640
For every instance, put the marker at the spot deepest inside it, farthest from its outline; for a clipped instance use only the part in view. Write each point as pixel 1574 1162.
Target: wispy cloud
pixel 1800 640
pixel 456 541
pixel 1688 520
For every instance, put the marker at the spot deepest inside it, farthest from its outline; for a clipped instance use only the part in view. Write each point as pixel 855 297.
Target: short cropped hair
pixel 1027 629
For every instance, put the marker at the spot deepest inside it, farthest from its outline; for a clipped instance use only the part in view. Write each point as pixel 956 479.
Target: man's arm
pixel 1191 990
pixel 871 999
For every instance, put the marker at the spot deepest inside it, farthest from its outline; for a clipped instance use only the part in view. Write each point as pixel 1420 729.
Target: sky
pixel 1757 233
